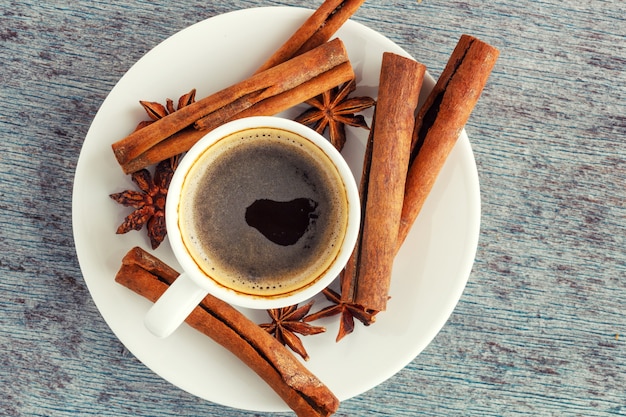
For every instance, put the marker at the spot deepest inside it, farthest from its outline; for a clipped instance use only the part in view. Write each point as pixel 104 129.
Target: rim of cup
pixel 232 296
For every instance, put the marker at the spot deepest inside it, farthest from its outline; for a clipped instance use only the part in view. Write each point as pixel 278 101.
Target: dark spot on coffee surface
pixel 282 222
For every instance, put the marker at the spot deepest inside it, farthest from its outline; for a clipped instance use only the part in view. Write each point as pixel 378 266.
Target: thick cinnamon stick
pixel 441 119
pixel 367 277
pixel 185 139
pixel 179 142
pixel 279 102
pixel 302 391
pixel 316 30
pixel 310 66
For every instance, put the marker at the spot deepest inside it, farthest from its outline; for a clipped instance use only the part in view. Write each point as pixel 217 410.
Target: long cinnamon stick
pixel 310 66
pixel 281 101
pixel 441 119
pixel 302 391
pixel 316 30
pixel 177 143
pixel 367 277
pixel 186 138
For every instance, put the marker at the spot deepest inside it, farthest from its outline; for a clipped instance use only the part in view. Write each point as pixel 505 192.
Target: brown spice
pixel 349 311
pixel 316 30
pixel 334 109
pixel 367 276
pixel 184 139
pixel 288 321
pixel 302 391
pixel 158 111
pixel 149 202
pixel 441 119
pixel 308 74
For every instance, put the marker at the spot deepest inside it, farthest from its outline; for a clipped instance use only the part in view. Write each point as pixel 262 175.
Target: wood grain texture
pixel 536 331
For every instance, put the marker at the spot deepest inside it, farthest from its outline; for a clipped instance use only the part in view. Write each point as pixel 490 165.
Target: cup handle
pixel 173 307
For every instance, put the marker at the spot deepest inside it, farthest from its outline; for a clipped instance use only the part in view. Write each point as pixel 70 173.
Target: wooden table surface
pixel 541 327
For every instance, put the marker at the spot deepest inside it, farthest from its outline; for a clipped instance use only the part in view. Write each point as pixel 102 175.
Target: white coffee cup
pixel 240 267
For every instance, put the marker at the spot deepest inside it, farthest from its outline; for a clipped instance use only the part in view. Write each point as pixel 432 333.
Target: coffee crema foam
pixel 256 165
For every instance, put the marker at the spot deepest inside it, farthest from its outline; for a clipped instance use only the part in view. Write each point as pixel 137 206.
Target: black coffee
pixel 263 212
pixel 282 222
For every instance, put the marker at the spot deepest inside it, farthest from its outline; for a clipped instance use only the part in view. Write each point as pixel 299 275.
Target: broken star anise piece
pixel 288 321
pixel 149 202
pixel 333 109
pixel 348 311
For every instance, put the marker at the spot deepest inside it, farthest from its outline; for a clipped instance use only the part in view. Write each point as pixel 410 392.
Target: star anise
pixel 333 109
pixel 348 311
pixel 149 202
pixel 288 321
pixel 158 111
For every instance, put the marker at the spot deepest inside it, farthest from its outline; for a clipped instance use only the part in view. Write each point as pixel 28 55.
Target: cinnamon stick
pixel 316 30
pixel 441 119
pixel 177 143
pixel 302 391
pixel 186 138
pixel 367 276
pixel 278 102
pixel 307 71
